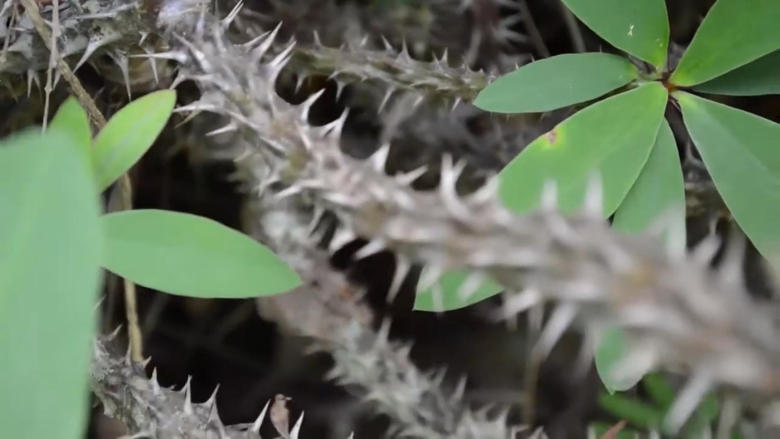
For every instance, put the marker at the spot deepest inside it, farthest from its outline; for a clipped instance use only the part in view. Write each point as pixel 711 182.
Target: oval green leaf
pixel 189 255
pixel 129 134
pixel 612 137
pixel 658 192
pixel 639 27
pixel 733 33
pixel 445 295
pixel 761 77
pixel 742 154
pixel 556 82
pixel 72 119
pixel 49 274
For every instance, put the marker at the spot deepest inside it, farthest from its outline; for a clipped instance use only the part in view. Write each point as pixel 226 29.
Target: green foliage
pixel 734 52
pixel 54 242
pixel 761 77
pixel 557 82
pixel 448 293
pixel 742 154
pixel 190 255
pixel 733 33
pixel 650 415
pixel 639 27
pixel 129 134
pixel 49 273
pixel 572 151
pixel 659 189
pixel 72 119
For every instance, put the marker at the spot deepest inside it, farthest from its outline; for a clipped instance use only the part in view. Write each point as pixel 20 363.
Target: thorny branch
pixel 681 314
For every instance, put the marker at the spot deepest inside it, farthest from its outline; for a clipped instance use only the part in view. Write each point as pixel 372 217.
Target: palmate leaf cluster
pixel 624 138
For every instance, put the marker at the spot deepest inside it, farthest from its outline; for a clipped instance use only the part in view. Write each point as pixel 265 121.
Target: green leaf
pixel 659 191
pixel 189 255
pixel 613 137
pixel 556 82
pixel 658 388
pixel 732 34
pixel 639 27
pixel 72 119
pixel 761 77
pixel 129 134
pixel 742 154
pixel 49 273
pixel 611 350
pixel 636 412
pixel 445 296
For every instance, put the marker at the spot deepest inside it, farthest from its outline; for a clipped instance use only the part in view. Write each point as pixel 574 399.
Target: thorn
pixel 341 238
pixel 212 401
pixel 308 103
pixel 388 46
pixel 296 430
pixel 225 22
pixel 687 401
pixel 549 196
pixel 408 178
pixel 255 428
pixel 447 186
pixel 187 396
pixel 385 99
pixel 517 303
pixel 429 276
pixel 374 246
pixel 402 267
pixel 594 196
pixel 470 285
pixel 153 64
pixel 560 319
pixel 230 127
pixel 703 252
pixel 122 62
pixel 379 158
pixel 731 269
pixel 155 384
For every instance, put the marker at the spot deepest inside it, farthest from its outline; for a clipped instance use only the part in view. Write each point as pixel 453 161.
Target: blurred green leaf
pixel 445 295
pixel 639 27
pixel 49 273
pixel 556 82
pixel 129 134
pixel 189 255
pixel 72 119
pixel 760 77
pixel 659 190
pixel 734 33
pixel 634 411
pixel 742 154
pixel 658 388
pixel 612 137
pixel 611 350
